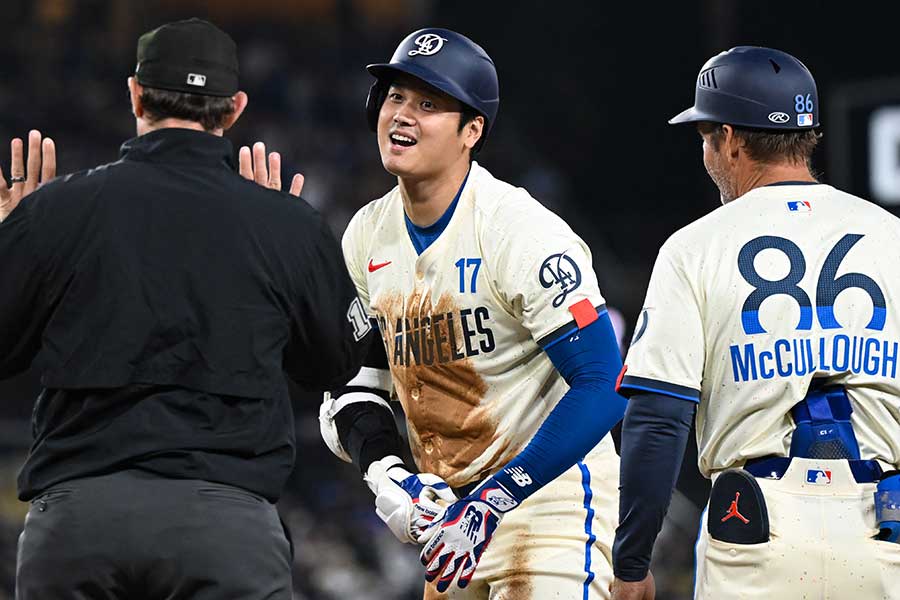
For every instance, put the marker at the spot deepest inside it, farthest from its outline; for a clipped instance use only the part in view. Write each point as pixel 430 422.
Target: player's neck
pixel 756 175
pixel 426 200
pixel 145 126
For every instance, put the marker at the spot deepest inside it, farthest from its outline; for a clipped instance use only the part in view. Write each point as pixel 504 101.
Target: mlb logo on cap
pixel 805 120
pixel 799 206
pixel 196 79
pixel 818 477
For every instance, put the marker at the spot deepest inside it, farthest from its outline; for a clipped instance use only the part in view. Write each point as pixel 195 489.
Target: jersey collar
pixel 179 146
pixel 422 237
pixel 777 183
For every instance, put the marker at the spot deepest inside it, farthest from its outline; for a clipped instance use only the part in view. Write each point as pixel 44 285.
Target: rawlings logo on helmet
pixel 779 117
pixel 428 44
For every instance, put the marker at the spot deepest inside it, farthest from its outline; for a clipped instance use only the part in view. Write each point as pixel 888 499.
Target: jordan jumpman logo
pixel 733 510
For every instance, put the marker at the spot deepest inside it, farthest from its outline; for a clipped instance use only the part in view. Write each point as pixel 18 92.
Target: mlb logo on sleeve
pixel 818 476
pixel 799 206
pixel 805 120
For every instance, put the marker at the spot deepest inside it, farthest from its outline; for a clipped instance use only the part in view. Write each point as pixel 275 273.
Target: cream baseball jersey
pixel 751 303
pixel 463 322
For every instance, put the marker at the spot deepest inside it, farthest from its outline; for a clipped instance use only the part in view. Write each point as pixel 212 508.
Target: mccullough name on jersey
pixel 800 356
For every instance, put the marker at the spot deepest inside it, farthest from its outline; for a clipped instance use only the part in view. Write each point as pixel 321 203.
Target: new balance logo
pixel 519 475
pixel 472 522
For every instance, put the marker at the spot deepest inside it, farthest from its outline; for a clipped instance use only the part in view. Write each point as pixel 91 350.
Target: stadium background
pixel 586 88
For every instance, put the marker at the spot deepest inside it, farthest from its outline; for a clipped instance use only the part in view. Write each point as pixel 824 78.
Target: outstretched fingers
pixel 17 165
pixel 253 165
pixel 33 166
pixel 48 160
pixel 260 173
pixel 296 185
pixel 274 171
pixel 245 163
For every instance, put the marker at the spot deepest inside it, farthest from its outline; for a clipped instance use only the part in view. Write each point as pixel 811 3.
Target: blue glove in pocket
pixel 887 507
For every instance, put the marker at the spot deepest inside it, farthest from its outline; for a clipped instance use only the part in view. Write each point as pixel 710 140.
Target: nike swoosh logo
pixel 373 268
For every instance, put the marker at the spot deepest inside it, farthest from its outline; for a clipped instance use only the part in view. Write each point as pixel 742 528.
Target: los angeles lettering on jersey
pixel 438 338
pixel 795 357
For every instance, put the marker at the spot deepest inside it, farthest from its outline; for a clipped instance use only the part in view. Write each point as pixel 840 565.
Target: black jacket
pixel 165 297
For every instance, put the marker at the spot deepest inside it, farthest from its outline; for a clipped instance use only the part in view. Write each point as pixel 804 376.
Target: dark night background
pixel 586 89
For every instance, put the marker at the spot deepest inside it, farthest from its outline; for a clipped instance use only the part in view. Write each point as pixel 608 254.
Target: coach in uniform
pixel 499 346
pixel 773 316
pixel 166 298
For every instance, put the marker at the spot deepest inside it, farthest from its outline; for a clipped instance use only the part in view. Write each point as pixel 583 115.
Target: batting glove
pixel 458 538
pixel 406 502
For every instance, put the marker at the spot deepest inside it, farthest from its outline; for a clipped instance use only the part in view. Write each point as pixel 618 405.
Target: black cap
pixel 192 56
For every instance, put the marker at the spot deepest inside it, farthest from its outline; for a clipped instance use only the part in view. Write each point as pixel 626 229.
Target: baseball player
pixel 771 318
pixel 500 350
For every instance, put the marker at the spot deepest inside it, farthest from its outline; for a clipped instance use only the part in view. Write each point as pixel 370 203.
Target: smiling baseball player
pixel 771 316
pixel 500 350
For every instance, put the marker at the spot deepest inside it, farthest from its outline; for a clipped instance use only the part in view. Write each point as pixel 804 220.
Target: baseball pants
pixel 821 523
pixel 135 535
pixel 557 544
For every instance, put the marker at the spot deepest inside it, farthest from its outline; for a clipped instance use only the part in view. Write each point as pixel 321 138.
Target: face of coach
pixel 186 77
pixel 739 159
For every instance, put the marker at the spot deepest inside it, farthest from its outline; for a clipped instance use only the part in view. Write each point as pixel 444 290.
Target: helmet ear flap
pixel 377 94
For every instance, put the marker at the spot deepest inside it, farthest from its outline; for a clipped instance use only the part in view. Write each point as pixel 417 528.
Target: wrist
pixel 495 493
pixel 516 481
pixel 382 469
pixel 631 571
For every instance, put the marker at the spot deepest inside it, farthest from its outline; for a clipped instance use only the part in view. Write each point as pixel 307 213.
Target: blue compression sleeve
pixel 654 436
pixel 589 361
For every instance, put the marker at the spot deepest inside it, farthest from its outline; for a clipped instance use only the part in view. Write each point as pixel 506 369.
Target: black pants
pixel 138 536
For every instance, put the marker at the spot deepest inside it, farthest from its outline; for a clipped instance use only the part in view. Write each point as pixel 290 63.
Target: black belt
pixel 774 467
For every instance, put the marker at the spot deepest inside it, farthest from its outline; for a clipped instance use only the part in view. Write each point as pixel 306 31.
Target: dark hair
pixel 467 114
pixel 770 146
pixel 209 111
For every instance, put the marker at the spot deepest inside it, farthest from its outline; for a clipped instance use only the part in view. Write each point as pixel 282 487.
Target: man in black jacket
pixel 164 297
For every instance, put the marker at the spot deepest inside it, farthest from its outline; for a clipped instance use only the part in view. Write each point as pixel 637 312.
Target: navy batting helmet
pixel 446 60
pixel 755 87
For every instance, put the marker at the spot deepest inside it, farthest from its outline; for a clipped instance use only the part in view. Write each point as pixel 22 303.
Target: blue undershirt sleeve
pixel 654 436
pixel 589 361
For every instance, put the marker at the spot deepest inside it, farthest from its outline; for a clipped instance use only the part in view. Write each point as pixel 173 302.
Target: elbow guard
pixel 370 391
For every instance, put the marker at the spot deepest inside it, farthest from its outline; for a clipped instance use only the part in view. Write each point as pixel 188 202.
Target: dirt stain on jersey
pixel 517 585
pixel 448 426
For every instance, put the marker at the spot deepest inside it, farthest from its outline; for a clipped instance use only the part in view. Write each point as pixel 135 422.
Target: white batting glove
pixel 460 535
pixel 406 502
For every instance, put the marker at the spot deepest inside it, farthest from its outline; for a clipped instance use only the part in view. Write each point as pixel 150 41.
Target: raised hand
pixel 26 177
pixel 252 165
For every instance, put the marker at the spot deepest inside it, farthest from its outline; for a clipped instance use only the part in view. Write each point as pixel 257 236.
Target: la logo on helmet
pixel 428 44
